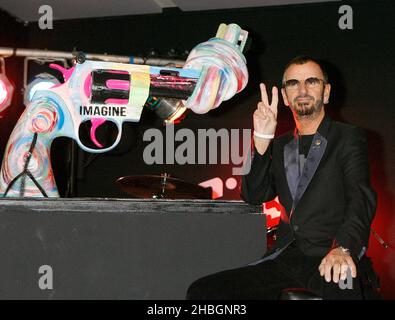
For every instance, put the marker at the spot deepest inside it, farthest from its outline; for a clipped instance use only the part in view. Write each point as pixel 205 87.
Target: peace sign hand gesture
pixel 265 116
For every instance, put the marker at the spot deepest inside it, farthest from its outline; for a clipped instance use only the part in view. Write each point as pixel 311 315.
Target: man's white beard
pixel 305 109
pixel 308 109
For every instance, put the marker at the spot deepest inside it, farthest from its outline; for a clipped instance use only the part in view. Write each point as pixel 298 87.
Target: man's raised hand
pixel 265 118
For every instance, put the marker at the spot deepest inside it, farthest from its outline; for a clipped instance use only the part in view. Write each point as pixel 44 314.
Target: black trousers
pixel 291 269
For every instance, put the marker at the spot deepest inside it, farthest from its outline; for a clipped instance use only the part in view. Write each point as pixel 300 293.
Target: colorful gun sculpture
pixel 103 91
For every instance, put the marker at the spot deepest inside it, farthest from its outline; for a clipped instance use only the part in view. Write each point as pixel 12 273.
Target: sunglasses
pixel 310 83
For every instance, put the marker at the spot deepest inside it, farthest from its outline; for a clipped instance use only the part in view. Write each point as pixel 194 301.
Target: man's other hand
pixel 335 265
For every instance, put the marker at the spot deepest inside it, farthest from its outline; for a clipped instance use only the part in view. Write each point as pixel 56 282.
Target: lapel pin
pixel 317 142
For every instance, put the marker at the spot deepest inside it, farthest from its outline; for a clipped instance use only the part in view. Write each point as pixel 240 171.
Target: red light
pixel 6 91
pixel 3 92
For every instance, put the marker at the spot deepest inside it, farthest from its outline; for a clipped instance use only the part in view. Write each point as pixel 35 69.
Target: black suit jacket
pixel 331 204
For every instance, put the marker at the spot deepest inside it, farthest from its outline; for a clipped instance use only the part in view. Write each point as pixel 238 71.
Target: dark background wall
pixel 360 62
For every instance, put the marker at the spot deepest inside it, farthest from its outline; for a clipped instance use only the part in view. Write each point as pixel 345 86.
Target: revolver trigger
pixel 96 122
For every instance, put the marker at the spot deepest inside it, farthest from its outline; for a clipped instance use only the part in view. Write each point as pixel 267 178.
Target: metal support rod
pixel 20 52
pixel 380 240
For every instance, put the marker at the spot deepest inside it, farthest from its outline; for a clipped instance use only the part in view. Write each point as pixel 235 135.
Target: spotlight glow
pixel 3 92
pixel 43 85
pixel 6 91
pixel 42 81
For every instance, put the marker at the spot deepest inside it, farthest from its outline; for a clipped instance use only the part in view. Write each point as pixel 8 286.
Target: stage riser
pixel 109 249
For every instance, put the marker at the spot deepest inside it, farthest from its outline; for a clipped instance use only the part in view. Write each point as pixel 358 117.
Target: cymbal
pixel 161 187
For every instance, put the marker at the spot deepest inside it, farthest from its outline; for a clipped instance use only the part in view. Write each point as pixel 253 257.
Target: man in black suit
pixel 320 173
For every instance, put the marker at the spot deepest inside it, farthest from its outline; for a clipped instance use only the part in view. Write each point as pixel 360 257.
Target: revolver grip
pixel 26 169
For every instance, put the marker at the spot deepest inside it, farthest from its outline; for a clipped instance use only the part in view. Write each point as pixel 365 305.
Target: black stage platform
pixel 122 249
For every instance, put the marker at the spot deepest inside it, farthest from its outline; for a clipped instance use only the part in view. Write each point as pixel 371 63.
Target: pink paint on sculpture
pixel 96 122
